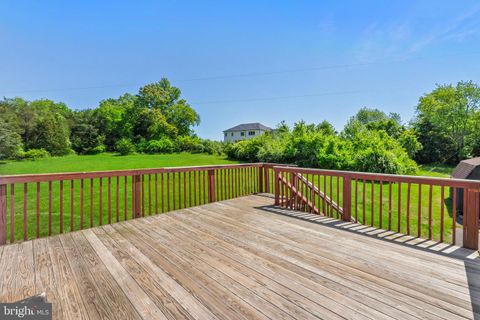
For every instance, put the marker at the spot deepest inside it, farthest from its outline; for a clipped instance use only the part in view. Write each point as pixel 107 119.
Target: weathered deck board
pixel 240 259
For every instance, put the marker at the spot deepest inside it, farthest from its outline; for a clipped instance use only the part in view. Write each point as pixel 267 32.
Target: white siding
pixel 234 136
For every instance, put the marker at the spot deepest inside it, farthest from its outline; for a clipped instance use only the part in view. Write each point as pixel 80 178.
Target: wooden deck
pixel 240 259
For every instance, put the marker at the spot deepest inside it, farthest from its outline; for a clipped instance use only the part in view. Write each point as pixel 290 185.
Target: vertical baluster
pixel 125 198
pixel 168 191
pixel 389 206
pixel 133 197
pixel 82 205
pixel 49 208
pixel 224 186
pixel 372 200
pixel 430 212
pixel 184 189
pixel 399 207
pixel 156 193
pixel 408 207
pixel 190 188
pixel 38 211
pixel 356 200
pixel 61 206
pixel 338 195
pixel 109 200
pixel 364 196
pixel 162 189
pixel 173 188
pixel 442 212
pixel 117 200
pixel 324 201
pixel 282 188
pixel 72 207
pixel 149 194
pixel 12 213
pixel 143 194
pixel 380 205
pixel 91 202
pixel 179 190
pixel 229 185
pixel 204 187
pixel 25 191
pixel 454 215
pixel 195 187
pixel 419 211
pixel 100 201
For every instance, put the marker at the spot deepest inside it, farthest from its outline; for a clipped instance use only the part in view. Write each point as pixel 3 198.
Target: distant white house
pixel 244 131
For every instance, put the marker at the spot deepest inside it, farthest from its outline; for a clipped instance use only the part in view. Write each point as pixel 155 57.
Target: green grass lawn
pixel 102 162
pixel 107 161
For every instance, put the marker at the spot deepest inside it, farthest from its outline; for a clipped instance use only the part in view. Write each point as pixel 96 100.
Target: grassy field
pixel 100 162
pixel 112 162
pixel 108 161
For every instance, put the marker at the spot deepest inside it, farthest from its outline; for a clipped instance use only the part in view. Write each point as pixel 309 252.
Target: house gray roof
pixel 249 126
pixel 465 167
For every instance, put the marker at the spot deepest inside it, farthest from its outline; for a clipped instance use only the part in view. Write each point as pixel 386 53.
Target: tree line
pixel 155 120
pixel 445 129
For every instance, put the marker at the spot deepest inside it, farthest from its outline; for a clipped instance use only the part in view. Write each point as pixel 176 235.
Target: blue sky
pixel 243 61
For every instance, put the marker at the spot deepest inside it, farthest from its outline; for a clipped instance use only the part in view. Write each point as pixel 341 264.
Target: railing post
pixel 260 179
pixel 470 219
pixel 3 214
pixel 277 186
pixel 266 179
pixel 211 186
pixel 347 198
pixel 137 196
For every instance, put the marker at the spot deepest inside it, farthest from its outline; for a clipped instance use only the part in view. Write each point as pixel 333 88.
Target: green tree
pixel 446 121
pixel 166 98
pixel 84 134
pixel 10 141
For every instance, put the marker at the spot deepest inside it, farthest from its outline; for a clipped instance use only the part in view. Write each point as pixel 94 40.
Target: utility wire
pixel 239 75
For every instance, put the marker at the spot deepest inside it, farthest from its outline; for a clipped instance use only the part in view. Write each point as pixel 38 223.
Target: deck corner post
pixel 137 196
pixel 3 214
pixel 347 198
pixel 260 179
pixel 277 186
pixel 470 219
pixel 211 186
pixel 266 177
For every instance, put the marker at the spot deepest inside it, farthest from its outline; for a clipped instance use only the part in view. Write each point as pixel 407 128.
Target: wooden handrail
pixel 117 194
pixel 375 215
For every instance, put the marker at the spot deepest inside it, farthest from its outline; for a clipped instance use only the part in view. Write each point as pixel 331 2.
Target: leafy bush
pixel 212 147
pixel 190 144
pixel 164 145
pixel 35 154
pixel 98 149
pixel 124 147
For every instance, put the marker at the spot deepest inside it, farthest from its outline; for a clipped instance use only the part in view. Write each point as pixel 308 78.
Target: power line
pixel 278 98
pixel 239 75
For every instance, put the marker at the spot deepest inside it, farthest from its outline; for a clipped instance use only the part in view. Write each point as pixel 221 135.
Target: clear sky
pixel 241 61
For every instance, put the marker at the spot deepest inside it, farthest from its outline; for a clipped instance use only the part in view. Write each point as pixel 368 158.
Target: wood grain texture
pixel 240 259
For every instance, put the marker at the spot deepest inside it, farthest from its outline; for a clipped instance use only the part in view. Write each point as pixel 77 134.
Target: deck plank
pixel 242 259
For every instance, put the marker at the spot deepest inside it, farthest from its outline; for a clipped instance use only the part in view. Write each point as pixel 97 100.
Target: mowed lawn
pixel 102 162
pixel 100 213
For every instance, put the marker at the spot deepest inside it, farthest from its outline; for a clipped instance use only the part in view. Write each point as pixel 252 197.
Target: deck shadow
pixel 470 258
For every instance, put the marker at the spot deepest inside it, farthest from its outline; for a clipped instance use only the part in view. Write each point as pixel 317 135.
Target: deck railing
pixel 32 206
pixel 422 207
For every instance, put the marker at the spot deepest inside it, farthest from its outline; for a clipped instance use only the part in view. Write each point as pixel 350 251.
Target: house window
pixel 226 134
pixel 242 133
pixel 251 133
pixel 231 134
